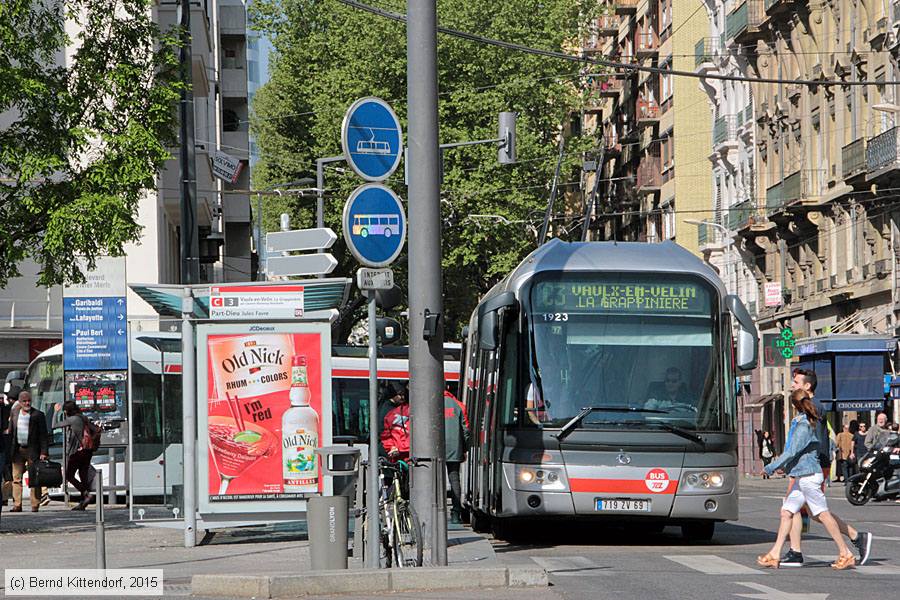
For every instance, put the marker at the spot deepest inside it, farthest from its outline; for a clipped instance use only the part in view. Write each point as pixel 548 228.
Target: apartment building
pixel 31 317
pixel 816 220
pixel 638 116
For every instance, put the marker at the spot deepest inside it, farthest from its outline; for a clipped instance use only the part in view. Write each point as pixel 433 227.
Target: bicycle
pixel 400 530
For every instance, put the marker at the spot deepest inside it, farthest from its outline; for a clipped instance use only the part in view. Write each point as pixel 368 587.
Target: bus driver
pixel 667 394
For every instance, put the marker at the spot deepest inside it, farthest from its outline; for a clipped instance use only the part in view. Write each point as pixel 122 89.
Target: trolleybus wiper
pixel 577 419
pixel 680 432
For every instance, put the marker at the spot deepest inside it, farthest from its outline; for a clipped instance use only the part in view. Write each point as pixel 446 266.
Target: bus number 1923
pixel 548 317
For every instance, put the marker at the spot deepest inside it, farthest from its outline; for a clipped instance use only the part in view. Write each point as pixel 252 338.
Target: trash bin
pixel 327 521
pixel 327 516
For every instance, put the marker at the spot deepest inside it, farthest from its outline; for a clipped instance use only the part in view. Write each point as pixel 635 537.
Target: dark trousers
pixel 455 487
pixel 80 462
pixel 849 469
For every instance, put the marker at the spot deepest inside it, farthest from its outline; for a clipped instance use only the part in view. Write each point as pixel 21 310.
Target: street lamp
pixel 726 234
pixel 886 107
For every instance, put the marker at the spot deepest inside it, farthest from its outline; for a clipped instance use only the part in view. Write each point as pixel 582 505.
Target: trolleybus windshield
pixel 627 341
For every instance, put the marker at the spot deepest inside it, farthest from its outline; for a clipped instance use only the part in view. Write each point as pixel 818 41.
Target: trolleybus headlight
pixel 703 481
pixel 534 477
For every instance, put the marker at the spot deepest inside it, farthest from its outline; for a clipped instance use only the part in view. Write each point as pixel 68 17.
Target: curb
pixel 349 582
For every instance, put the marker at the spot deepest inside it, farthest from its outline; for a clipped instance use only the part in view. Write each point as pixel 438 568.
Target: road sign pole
pixel 189 418
pixel 426 347
pixel 373 538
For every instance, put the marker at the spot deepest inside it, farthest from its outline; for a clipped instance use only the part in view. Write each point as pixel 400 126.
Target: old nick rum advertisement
pixel 263 415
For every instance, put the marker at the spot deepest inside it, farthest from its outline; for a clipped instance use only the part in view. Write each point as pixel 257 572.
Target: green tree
pixel 84 125
pixel 328 54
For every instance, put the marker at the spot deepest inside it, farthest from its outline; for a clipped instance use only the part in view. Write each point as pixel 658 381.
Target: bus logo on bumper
pixel 657 481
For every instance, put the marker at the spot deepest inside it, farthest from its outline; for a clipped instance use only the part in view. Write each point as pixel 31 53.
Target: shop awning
pixel 847 343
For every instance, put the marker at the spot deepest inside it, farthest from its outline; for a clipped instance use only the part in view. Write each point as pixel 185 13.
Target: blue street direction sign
pixel 374 225
pixel 372 139
pixel 95 333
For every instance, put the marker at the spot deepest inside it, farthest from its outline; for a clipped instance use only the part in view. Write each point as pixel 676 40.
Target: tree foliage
pixel 84 126
pixel 328 54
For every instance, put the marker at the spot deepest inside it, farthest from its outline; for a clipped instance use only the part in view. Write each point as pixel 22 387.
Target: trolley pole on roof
pixel 426 335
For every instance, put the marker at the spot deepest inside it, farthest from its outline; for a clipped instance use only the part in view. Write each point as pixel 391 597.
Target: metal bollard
pixel 101 532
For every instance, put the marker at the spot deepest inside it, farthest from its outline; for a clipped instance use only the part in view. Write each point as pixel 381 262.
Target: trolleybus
pixel 600 383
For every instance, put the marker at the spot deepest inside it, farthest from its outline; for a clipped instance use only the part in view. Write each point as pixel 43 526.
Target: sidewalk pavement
pixel 61 539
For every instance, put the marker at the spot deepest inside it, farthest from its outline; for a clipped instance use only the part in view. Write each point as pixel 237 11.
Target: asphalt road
pixel 589 562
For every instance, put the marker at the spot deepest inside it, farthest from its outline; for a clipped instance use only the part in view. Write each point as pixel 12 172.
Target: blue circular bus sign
pixel 374 225
pixel 372 139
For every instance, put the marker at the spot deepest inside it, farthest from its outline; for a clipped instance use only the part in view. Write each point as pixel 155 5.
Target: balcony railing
pixel 624 7
pixel 725 129
pixel 647 110
pixel 609 88
pixel 791 188
pixel 705 50
pixel 881 151
pixel 739 214
pixel 607 24
pixel 646 44
pixel 774 198
pixel 649 176
pixel 748 16
pixel 853 158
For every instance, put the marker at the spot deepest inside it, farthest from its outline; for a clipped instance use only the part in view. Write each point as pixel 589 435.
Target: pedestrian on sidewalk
pixel 859 442
pixel 457 438
pixel 4 448
pixel 845 456
pixel 800 461
pixel 766 449
pixel 878 433
pixel 78 457
pixel 395 434
pixel 29 442
pixel 806 381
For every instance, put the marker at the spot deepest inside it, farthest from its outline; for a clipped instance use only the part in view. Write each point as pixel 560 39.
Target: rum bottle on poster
pixel 299 435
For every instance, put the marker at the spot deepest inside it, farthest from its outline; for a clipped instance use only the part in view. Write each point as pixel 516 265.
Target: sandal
pixel 767 560
pixel 847 561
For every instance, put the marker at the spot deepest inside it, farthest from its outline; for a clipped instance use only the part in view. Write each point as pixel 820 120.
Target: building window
pixel 665 19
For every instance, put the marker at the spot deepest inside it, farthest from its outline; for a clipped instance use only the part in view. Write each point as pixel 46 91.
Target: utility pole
pixel 426 335
pixel 190 244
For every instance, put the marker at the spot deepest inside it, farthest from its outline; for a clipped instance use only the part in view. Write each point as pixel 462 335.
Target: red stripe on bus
pixel 616 486
pixel 363 373
pixel 173 368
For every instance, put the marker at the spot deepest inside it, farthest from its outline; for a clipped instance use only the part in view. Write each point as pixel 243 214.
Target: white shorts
pixel 806 490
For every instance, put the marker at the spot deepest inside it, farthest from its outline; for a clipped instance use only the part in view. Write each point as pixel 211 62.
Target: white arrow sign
pixel 300 239
pixel 304 264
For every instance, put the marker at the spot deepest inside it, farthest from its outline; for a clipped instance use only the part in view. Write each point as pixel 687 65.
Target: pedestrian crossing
pixel 707 564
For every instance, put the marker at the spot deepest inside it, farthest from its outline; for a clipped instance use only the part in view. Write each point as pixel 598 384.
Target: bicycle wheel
pixel 384 553
pixel 408 547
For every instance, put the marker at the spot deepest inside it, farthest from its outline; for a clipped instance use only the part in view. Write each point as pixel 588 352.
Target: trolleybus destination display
pixel 576 295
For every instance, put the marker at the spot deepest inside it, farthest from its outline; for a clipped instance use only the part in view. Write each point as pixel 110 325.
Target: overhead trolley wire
pixel 609 63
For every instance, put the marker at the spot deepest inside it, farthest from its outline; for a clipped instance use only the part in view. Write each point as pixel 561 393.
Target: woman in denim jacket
pixel 800 461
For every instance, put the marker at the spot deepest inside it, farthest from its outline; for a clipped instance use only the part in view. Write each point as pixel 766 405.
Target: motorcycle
pixel 879 475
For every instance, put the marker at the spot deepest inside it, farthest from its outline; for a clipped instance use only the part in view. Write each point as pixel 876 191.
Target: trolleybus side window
pixel 45 382
pixel 509 374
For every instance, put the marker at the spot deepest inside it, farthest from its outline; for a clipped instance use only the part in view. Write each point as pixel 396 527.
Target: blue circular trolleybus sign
pixel 374 225
pixel 372 139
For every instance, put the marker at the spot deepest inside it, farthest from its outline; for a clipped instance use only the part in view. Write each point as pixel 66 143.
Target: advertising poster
pixel 264 392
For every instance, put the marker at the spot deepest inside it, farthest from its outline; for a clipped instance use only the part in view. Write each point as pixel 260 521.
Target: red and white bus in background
pixel 148 420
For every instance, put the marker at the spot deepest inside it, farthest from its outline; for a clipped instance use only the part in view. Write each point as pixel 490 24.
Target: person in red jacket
pixel 395 431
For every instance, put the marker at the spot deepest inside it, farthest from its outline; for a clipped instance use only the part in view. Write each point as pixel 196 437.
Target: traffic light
pixel 506 153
